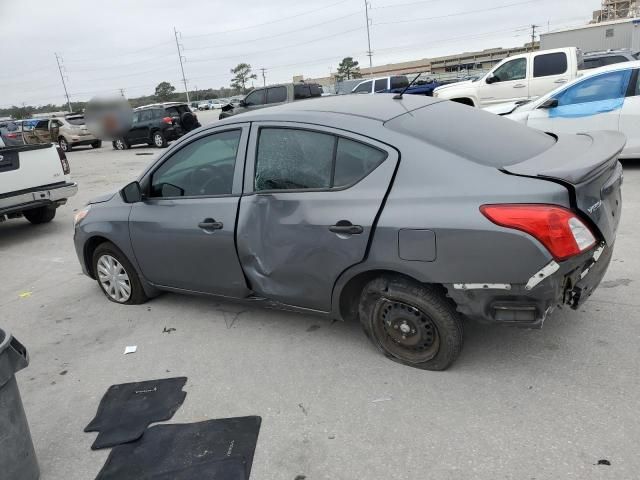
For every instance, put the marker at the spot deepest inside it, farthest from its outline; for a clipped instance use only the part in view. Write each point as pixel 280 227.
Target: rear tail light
pixel 168 120
pixel 12 135
pixel 63 161
pixel 557 228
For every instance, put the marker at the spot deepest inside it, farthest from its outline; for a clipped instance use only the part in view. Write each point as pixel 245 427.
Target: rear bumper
pixel 37 197
pixel 567 283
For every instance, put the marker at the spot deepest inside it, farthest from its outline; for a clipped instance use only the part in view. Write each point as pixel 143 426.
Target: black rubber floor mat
pixel 126 410
pixel 212 450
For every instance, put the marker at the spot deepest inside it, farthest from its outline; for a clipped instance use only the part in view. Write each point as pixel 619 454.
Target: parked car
pixel 71 131
pixel 607 57
pixel 381 85
pixel 215 104
pixel 420 87
pixel 517 78
pixel 204 106
pixel 34 181
pixel 272 95
pixel 157 125
pixel 607 98
pixel 11 133
pixel 350 208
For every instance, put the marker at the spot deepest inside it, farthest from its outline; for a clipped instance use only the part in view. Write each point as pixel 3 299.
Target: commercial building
pixel 614 34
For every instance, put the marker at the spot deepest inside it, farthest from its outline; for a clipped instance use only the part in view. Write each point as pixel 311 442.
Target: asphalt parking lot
pixel 518 404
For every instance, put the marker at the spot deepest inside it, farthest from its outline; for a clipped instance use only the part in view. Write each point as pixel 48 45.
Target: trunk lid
pixel 587 164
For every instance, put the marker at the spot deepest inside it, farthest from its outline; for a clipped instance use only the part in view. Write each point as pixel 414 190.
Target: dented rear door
pixel 297 231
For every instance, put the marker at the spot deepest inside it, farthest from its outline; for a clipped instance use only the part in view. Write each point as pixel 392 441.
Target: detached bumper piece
pixel 566 283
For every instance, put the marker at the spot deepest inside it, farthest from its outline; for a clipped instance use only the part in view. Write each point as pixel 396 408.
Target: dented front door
pixel 294 240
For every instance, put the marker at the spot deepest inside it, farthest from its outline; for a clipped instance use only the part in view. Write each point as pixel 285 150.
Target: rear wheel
pixel 96 144
pixel 116 276
pixel 411 323
pixel 41 214
pixel 64 145
pixel 159 140
pixel 120 144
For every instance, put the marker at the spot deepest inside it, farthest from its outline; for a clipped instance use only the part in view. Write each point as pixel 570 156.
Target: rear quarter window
pixel 478 136
pixel 550 64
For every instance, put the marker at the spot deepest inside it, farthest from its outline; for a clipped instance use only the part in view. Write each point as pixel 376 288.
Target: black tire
pixel 40 215
pixel 158 139
pixel 96 144
pixel 64 145
pixel 120 144
pixel 434 336
pixel 137 294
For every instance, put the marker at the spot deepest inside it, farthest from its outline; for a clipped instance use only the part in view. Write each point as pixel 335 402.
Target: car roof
pixel 380 107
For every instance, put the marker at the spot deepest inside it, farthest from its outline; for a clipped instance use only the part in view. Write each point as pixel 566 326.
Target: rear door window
pixel 146 115
pixel 380 85
pixel 276 94
pixel 255 98
pixel 590 63
pixel 364 87
pixel 550 64
pixel 614 59
pixel 295 159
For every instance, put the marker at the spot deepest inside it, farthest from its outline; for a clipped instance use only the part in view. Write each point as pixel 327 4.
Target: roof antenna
pixel 398 96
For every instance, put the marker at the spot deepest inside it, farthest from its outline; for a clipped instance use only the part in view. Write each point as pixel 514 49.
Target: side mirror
pixel 550 103
pixel 132 193
pixel 491 78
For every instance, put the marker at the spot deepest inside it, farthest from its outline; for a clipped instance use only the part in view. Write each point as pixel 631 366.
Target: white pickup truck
pixel 517 78
pixel 34 181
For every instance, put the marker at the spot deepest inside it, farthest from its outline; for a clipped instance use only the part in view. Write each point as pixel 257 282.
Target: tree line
pixel 165 92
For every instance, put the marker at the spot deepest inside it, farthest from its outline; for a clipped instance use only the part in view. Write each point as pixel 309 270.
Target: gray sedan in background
pixel 404 213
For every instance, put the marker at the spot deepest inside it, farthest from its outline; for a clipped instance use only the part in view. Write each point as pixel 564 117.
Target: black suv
pixel 157 125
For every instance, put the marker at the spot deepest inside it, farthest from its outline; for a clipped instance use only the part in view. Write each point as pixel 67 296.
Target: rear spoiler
pixel 574 158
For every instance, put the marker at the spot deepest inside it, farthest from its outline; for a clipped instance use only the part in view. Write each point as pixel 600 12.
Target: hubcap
pixel 113 278
pixel 158 140
pixel 406 332
pixel 120 144
pixel 63 145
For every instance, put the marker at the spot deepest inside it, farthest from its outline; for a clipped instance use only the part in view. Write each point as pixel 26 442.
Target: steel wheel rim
pixel 157 139
pixel 119 144
pixel 405 332
pixel 63 145
pixel 113 278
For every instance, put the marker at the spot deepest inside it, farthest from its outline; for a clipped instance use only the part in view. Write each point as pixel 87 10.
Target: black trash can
pixel 17 456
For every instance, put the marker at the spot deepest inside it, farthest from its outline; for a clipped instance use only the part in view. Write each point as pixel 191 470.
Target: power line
pixel 251 40
pixel 240 29
pixel 180 57
pixel 457 14
pixel 63 82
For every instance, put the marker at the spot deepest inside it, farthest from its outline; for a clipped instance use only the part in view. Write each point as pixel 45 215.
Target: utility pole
pixel 369 52
pixel 264 79
pixel 66 93
pixel 122 92
pixel 533 35
pixel 180 57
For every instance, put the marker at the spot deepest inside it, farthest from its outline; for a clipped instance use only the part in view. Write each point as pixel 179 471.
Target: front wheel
pixel 40 214
pixel 120 144
pixel 116 276
pixel 159 140
pixel 411 323
pixel 96 144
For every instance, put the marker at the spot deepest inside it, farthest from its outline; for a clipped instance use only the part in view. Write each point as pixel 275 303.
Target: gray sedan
pixel 404 214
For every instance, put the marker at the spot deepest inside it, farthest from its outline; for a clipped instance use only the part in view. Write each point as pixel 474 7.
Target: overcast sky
pixel 130 44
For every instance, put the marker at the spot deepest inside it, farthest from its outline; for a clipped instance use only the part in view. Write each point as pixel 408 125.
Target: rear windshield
pixel 75 120
pixel 472 133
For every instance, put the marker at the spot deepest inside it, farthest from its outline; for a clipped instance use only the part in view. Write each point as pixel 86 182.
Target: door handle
pixel 210 224
pixel 519 85
pixel 561 80
pixel 345 227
